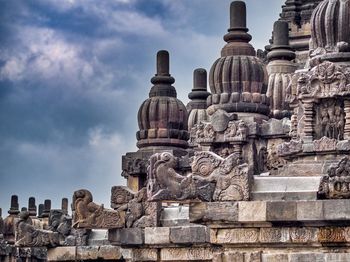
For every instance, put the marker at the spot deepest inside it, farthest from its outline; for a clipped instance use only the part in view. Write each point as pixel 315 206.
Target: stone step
pixel 285 188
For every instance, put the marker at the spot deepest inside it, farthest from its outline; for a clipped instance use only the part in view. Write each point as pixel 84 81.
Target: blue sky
pixel 74 72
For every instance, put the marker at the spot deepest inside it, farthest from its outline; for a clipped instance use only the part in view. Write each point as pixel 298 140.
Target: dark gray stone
pixel 189 235
pixel 281 211
pixel 132 236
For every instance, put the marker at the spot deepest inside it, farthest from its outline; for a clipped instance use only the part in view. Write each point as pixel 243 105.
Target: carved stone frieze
pixel 324 80
pixel 237 235
pixel 164 183
pixel 288 148
pixel 325 144
pixel 27 235
pixel 88 214
pixel 213 178
pixel 331 234
pixel 336 184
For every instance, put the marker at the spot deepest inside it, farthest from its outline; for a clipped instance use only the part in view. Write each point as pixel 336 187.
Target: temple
pixel 254 169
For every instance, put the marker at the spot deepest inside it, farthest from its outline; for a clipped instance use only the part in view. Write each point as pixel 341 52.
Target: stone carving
pixel 140 212
pixel 61 223
pixel 230 177
pixel 270 235
pixel 120 195
pixel 164 183
pixel 237 235
pixel 325 144
pixel 331 234
pixel 288 148
pixel 236 131
pixel 301 234
pixel 336 184
pixel 27 235
pixel 90 215
pixel 330 120
pixel 212 178
pixel 325 80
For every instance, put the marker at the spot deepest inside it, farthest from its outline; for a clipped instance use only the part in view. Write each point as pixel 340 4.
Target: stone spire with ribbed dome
pixel 162 118
pixel 238 80
pixel 330 29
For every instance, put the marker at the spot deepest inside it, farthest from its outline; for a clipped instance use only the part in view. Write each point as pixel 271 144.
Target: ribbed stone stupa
pixel 238 80
pixel 330 23
pixel 162 118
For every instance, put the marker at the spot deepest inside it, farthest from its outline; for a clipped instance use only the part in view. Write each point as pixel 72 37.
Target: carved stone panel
pixel 88 214
pixel 336 184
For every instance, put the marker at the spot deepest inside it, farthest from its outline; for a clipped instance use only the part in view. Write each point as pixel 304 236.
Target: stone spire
pixel 162 118
pixel 14 208
pixel 198 104
pixel 238 79
pixel 237 37
pixel 64 205
pixel 280 69
pixel 32 206
pixel 47 208
pixel 40 210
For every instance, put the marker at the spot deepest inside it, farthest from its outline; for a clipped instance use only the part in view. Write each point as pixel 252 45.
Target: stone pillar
pixel 46 213
pixel 32 207
pixel 64 205
pixel 308 121
pixel 10 220
pixel 347 119
pixel 41 210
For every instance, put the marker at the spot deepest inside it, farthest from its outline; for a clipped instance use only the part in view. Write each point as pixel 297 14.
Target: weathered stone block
pixel 254 211
pixel 131 236
pixel 186 254
pixel 87 253
pixel 274 235
pixel 309 210
pixel 109 253
pixel 114 236
pixel 275 258
pixel 61 254
pixel 175 216
pixel 213 212
pixel 157 235
pixel 332 235
pixel 337 209
pixel 281 211
pixel 145 254
pixel 303 234
pixel 237 235
pixel 120 195
pixel 337 257
pixel 189 234
pixel 315 257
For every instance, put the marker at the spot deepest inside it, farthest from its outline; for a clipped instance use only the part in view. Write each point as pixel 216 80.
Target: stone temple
pixel 254 169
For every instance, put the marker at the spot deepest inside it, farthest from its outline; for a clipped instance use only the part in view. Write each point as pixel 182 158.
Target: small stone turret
pixel 162 118
pixel 280 69
pixel 64 205
pixel 47 208
pixel 238 80
pixel 32 207
pixel 40 210
pixel 10 220
pixel 198 104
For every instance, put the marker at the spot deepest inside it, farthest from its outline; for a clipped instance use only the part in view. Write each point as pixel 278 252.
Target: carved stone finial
pixel 280 49
pixel 32 206
pixel 47 208
pixel 198 104
pixel 237 36
pixel 163 80
pixel 14 208
pixel 64 205
pixel 41 210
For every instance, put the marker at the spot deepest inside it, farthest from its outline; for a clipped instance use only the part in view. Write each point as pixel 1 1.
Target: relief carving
pixel 292 147
pixel 325 144
pixel 90 215
pixel 337 182
pixel 26 235
pixel 213 178
pixel 164 183
pixel 301 235
pixel 331 234
pixel 325 80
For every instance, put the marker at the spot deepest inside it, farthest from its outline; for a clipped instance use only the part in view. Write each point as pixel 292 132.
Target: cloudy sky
pixel 74 72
